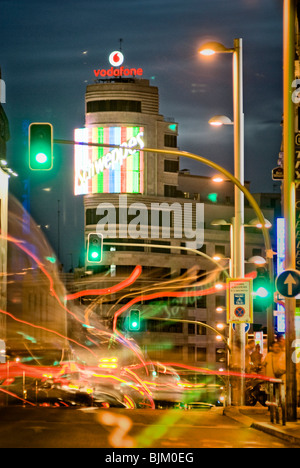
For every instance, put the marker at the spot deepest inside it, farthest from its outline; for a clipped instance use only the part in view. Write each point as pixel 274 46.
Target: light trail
pixel 48 330
pixel 111 290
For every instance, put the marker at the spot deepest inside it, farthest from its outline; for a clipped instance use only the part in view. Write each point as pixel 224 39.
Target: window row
pixel 114 105
pixel 194 353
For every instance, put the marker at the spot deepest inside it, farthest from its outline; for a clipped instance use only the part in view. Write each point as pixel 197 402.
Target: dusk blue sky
pixel 48 51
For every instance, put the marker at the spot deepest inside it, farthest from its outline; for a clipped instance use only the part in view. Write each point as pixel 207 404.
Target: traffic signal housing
pixel 40 146
pixel 134 320
pixel 95 248
pixel 262 290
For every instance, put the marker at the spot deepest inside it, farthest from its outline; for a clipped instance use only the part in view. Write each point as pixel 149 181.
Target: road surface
pixel 118 428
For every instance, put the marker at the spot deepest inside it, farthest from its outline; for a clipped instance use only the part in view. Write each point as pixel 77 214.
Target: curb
pixel 276 432
pixel 234 413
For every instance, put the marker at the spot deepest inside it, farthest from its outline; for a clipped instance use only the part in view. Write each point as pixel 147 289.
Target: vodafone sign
pixel 116 59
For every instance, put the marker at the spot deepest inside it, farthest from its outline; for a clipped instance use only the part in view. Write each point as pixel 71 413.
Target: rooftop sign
pixel 116 59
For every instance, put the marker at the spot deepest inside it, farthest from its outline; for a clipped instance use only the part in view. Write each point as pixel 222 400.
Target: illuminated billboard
pixel 109 170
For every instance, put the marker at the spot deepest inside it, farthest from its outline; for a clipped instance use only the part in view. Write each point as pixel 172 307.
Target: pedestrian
pixel 248 351
pixel 256 359
pixel 281 341
pixel 274 363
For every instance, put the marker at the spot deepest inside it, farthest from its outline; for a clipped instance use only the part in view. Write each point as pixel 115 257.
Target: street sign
pixel 247 327
pixel 240 300
pixel 288 283
pixel 277 173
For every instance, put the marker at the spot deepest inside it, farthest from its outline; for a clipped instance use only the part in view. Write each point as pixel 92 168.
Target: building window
pixel 220 249
pixel 201 354
pixel 202 249
pixel 91 217
pixel 170 141
pixel 191 329
pixel 170 191
pixel 164 327
pixel 178 351
pixel 171 166
pixel 157 249
pixel 201 302
pixel 220 301
pixel 191 353
pixel 114 105
pixel 201 330
pixel 183 252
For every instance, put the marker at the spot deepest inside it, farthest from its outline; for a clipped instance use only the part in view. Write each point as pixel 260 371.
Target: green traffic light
pixel 95 248
pixel 40 147
pixel 41 158
pixel 262 292
pixel 134 320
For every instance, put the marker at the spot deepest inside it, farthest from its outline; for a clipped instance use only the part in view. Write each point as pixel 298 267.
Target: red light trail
pixel 107 291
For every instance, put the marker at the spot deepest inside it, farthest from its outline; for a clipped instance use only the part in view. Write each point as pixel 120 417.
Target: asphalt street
pixel 115 428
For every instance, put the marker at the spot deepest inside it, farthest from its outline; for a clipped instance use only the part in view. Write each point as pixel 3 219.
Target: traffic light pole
pixel 289 195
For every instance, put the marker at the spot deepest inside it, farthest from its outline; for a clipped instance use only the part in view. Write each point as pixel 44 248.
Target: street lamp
pixel 238 266
pixel 256 223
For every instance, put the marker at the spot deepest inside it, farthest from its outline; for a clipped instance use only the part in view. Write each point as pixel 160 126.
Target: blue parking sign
pixel 239 299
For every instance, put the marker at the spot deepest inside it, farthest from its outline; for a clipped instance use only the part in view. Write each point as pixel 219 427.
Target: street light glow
pixel 218 179
pixel 207 52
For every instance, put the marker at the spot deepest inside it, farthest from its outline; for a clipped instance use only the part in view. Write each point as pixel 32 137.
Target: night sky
pixel 48 51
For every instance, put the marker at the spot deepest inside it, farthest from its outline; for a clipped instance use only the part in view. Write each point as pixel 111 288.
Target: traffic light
pixel 262 290
pixel 40 146
pixel 95 248
pixel 134 320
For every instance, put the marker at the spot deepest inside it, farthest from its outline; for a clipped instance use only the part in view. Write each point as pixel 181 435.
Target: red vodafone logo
pixel 116 58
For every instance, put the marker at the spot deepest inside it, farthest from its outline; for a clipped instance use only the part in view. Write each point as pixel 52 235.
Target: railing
pixel 277 401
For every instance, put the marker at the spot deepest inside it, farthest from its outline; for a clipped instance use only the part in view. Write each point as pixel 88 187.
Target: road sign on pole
pixel 288 283
pixel 239 300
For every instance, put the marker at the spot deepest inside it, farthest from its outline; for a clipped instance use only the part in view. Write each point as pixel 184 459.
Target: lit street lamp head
pixel 211 48
pixel 219 120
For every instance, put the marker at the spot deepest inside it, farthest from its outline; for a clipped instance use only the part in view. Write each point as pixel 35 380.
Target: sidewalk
pixel 258 418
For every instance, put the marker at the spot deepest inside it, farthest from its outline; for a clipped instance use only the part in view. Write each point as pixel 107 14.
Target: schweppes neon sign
pixel 100 170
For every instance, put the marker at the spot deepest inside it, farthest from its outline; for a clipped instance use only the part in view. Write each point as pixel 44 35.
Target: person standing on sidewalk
pixel 274 363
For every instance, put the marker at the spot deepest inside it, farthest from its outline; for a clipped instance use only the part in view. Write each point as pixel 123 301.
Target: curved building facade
pixel 150 214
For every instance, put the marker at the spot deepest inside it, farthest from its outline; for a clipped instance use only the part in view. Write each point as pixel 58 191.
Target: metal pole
pixel 239 342
pixel 289 193
pixel 58 229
